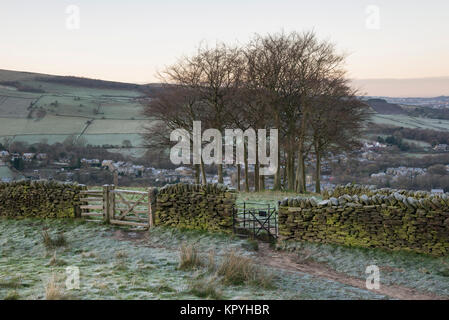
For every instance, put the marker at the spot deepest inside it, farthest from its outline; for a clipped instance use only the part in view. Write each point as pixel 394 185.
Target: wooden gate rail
pixel 92 203
pixel 118 206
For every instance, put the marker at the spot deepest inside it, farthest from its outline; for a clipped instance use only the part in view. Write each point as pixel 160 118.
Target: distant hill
pixel 38 107
pixel 22 81
pixel 383 107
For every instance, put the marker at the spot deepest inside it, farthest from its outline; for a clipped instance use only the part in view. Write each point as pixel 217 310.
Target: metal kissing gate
pixel 255 220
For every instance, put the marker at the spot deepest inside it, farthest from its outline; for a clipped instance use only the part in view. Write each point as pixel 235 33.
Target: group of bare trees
pixel 292 82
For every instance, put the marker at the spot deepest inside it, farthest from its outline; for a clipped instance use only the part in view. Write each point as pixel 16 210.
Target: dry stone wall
pixel 41 199
pixel 190 206
pixel 368 217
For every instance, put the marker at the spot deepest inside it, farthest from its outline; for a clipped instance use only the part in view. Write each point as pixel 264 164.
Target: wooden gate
pixel 92 204
pixel 118 206
pixel 130 208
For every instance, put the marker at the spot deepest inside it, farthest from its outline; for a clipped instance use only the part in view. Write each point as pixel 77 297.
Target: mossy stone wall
pixel 190 206
pixel 382 219
pixel 41 199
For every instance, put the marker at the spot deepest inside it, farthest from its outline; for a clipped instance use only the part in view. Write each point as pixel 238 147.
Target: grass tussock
pixel 54 290
pixel 12 295
pixel 239 270
pixel 206 289
pixel 189 257
pixel 121 254
pixel 53 242
pixel 55 261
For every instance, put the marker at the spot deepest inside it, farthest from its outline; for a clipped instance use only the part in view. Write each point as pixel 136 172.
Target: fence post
pixel 106 203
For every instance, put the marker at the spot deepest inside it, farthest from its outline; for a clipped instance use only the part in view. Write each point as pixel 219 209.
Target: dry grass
pixel 239 270
pixel 211 261
pixel 51 243
pixel 53 289
pixel 54 261
pixel 189 257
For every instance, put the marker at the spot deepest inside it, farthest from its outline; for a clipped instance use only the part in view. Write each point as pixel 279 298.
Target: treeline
pixel 21 86
pixel 426 112
pixel 432 137
pixel 292 82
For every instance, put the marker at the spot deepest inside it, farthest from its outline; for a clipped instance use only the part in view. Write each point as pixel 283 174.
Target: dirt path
pixel 292 263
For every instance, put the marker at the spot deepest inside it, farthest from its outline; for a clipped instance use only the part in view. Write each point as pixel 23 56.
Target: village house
pixel 91 162
pixel 28 156
pixel 41 156
pixel 441 148
pixel 4 154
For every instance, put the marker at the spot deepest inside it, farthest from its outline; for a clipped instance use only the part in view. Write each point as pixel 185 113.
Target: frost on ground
pixel 117 263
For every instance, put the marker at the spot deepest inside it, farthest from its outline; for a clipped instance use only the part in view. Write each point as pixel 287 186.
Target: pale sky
pixel 130 40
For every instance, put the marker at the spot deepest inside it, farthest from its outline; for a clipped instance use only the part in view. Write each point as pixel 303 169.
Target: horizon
pixel 130 42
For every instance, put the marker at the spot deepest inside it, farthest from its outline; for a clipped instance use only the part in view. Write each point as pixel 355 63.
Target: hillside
pixel 383 107
pixel 39 107
pixel 44 108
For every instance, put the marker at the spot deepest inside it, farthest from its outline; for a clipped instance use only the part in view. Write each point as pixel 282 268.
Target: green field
pixel 411 122
pixel 100 116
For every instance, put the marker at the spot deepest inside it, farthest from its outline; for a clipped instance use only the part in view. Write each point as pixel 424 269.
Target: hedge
pixel 44 199
pixel 191 206
pixel 384 219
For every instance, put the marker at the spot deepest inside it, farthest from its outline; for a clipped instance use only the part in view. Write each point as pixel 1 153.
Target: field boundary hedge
pixel 43 199
pixel 364 216
pixel 192 206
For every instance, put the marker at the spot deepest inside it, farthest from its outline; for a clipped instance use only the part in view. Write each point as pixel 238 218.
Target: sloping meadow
pixel 363 216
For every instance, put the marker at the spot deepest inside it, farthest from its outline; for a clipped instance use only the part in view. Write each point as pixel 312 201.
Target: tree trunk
pixel 291 170
pixel 239 169
pixel 256 173
pixel 203 173
pixel 220 173
pixel 261 182
pixel 245 156
pixel 299 186
pixel 277 175
pixel 284 173
pixel 317 170
pixel 303 173
pixel 197 174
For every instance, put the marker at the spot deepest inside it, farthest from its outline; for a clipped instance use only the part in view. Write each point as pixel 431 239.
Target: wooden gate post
pixel 151 205
pixel 106 202
pixel 111 211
